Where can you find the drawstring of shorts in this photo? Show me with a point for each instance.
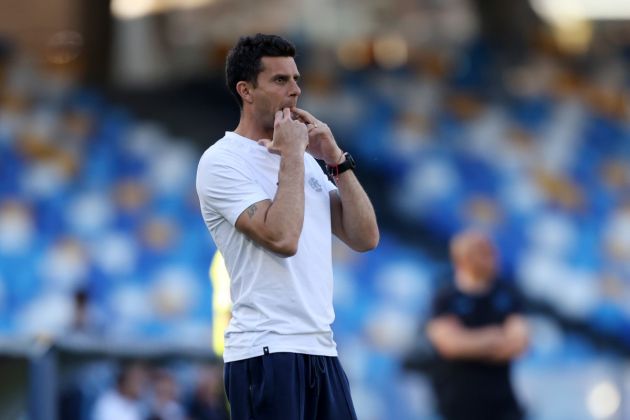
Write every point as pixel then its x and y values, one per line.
pixel 316 366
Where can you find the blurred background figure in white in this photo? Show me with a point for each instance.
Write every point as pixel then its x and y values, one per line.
pixel 165 399
pixel 123 401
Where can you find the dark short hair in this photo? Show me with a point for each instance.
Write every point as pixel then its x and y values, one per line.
pixel 244 59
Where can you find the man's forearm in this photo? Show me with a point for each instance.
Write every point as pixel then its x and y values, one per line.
pixel 452 340
pixel 357 217
pixel 515 339
pixel 285 216
pixel 471 344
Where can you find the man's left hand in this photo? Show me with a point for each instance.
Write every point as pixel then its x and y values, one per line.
pixel 321 142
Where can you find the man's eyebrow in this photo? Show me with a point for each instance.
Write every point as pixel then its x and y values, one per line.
pixel 285 76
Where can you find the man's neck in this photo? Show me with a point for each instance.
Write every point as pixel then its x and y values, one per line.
pixel 251 129
pixel 469 284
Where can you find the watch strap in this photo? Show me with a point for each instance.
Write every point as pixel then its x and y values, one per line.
pixel 349 163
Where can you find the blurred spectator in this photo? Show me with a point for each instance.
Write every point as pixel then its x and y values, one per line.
pixel 87 320
pixel 86 323
pixel 123 402
pixel 477 329
pixel 165 404
pixel 208 402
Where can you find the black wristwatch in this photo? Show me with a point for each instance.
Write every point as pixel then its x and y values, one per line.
pixel 349 163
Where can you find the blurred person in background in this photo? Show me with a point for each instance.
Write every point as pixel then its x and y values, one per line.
pixel 477 329
pixel 124 400
pixel 207 401
pixel 87 321
pixel 165 404
pixel 271 211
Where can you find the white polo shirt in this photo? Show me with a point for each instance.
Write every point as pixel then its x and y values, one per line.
pixel 284 304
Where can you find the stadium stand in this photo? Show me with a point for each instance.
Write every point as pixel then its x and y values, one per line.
pixel 94 199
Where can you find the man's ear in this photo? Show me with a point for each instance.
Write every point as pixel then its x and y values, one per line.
pixel 245 90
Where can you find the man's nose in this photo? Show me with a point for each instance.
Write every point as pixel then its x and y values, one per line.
pixel 295 89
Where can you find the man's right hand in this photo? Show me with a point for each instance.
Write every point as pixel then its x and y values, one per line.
pixel 290 137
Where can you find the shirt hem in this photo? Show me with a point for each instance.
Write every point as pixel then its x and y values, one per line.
pixel 259 351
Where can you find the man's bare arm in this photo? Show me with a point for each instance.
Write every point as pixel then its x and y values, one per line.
pixel 452 340
pixel 515 339
pixel 498 343
pixel 353 217
pixel 277 224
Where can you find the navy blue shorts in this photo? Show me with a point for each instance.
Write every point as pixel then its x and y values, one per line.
pixel 288 386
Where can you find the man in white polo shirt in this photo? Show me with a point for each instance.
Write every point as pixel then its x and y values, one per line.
pixel 272 211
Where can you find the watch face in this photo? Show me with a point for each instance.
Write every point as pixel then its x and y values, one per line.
pixel 350 161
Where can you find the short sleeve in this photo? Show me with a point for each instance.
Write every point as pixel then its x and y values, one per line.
pixel 228 190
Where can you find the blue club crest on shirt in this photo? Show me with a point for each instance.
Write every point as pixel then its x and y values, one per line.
pixel 315 184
